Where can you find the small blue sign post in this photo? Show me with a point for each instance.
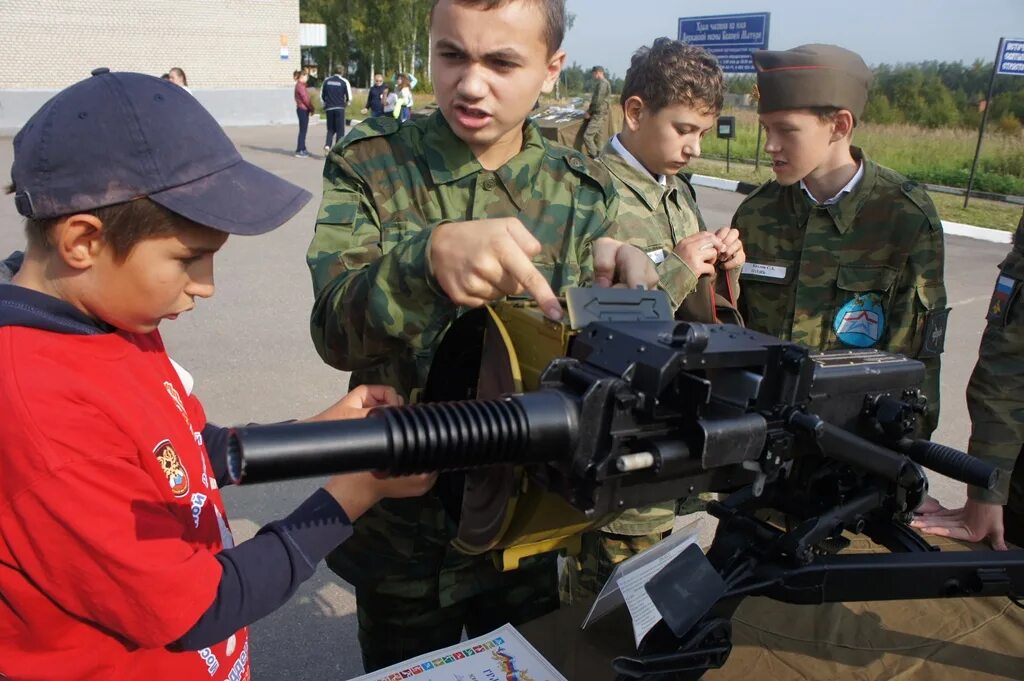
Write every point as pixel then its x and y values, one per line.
pixel 1009 62
pixel 731 38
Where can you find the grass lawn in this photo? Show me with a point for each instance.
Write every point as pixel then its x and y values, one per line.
pixel 993 214
pixel 940 156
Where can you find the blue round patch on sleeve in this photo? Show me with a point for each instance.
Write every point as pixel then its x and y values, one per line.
pixel 860 322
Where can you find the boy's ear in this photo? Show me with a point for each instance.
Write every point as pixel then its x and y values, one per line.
pixel 632 109
pixel 842 125
pixel 78 240
pixel 555 64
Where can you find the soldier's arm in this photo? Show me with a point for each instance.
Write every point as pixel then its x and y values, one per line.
pixel 741 302
pixel 375 295
pixel 918 313
pixel 995 400
pixel 675 277
pixel 595 99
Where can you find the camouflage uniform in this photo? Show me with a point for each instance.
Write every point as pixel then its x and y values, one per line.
pixel 653 217
pixel 380 313
pixel 995 394
pixel 598 117
pixel 879 248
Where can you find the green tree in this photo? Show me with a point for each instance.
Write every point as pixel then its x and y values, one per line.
pixel 1008 124
pixel 940 106
pixel 879 109
pixel 573 80
pixel 740 84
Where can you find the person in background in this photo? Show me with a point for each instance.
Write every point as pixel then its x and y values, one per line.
pixel 597 113
pixel 375 97
pixel 177 76
pixel 335 93
pixel 390 102
pixel 404 98
pixel 303 107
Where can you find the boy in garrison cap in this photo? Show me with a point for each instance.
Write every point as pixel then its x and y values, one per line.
pixel 841 252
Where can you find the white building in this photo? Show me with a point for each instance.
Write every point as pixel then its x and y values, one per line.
pixel 239 55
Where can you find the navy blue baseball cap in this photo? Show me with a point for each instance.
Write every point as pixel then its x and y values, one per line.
pixel 115 137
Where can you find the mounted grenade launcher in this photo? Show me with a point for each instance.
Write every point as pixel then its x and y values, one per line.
pixel 553 429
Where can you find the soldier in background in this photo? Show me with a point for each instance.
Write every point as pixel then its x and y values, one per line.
pixel 597 113
pixel 841 252
pixel 995 400
pixel 419 222
pixel 672 94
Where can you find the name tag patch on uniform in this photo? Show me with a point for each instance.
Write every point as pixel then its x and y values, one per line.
pixel 861 321
pixel 1006 291
pixel 657 256
pixel 770 271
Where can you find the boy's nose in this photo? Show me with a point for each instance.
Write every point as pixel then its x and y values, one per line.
pixel 200 289
pixel 472 85
pixel 693 148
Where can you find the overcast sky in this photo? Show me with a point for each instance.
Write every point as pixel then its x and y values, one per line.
pixel 883 31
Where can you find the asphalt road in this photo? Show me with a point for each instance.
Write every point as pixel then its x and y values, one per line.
pixel 249 350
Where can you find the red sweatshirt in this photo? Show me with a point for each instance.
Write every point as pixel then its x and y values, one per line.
pixel 302 97
pixel 107 502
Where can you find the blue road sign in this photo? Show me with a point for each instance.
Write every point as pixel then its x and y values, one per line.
pixel 1011 58
pixel 730 37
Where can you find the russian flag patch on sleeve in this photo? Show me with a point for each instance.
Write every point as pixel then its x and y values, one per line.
pixel 1003 297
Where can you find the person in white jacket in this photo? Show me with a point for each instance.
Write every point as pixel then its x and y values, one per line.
pixel 404 98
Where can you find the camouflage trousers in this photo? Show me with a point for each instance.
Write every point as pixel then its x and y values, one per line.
pixel 415 592
pixel 600 552
pixel 995 400
pixel 634 532
pixel 593 134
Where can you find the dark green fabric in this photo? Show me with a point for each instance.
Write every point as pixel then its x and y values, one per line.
pixel 811 76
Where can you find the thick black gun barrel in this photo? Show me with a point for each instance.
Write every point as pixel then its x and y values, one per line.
pixel 529 428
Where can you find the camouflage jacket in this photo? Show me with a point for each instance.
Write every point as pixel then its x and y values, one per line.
pixel 654 218
pixel 1013 264
pixel 995 393
pixel 599 100
pixel 866 271
pixel 378 309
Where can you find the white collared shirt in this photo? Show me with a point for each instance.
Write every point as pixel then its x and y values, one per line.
pixel 632 160
pixel 850 186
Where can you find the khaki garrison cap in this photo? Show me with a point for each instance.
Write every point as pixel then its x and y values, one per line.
pixel 811 76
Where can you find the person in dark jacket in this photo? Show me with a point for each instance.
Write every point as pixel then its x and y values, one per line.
pixel 375 98
pixel 335 93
